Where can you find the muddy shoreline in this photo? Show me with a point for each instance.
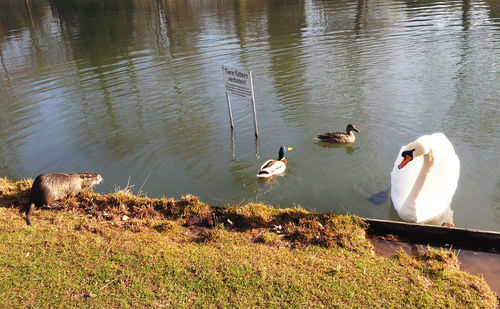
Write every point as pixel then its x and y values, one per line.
pixel 485 264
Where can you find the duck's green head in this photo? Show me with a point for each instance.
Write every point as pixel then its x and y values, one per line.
pixel 283 149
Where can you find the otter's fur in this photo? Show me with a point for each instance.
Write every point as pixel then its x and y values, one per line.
pixel 50 187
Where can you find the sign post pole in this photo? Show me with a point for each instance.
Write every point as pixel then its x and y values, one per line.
pixel 228 104
pixel 253 105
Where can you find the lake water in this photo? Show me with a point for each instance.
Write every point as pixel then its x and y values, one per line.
pixel 133 90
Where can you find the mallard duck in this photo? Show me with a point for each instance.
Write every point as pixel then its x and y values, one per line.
pixel 339 137
pixel 274 167
pixel 424 182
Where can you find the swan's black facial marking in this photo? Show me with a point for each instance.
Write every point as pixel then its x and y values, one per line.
pixel 408 152
pixel 407 157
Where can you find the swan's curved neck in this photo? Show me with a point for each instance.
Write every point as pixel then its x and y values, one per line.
pixel 422 176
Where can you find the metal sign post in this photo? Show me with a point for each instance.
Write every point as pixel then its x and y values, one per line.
pixel 253 105
pixel 239 83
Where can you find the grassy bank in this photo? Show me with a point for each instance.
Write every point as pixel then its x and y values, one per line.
pixel 121 250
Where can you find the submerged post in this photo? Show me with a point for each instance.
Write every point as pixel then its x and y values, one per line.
pixel 239 83
pixel 230 112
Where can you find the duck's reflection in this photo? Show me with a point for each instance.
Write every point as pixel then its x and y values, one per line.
pixel 349 148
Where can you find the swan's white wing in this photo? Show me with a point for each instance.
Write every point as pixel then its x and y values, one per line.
pixel 442 180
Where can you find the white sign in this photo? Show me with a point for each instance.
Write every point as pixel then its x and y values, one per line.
pixel 238 82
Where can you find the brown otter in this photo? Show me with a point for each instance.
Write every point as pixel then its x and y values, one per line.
pixel 51 187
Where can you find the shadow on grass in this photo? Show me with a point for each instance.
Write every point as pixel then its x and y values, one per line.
pixel 14 194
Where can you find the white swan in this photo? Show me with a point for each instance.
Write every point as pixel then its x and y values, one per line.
pixel 424 181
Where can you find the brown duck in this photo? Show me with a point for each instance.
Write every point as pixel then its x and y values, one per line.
pixel 339 137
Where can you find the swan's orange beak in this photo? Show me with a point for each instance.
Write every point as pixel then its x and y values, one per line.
pixel 407 158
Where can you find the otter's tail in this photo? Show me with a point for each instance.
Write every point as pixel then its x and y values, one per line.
pixel 28 209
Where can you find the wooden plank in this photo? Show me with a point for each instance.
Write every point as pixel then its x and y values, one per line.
pixel 433 235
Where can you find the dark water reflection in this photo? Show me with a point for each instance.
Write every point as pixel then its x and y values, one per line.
pixel 133 89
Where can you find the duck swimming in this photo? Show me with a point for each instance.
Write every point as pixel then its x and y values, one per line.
pixel 339 137
pixel 424 181
pixel 274 167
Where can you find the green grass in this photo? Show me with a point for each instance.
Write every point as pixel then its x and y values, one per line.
pixel 168 253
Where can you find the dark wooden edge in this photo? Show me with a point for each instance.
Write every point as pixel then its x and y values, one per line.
pixel 458 238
